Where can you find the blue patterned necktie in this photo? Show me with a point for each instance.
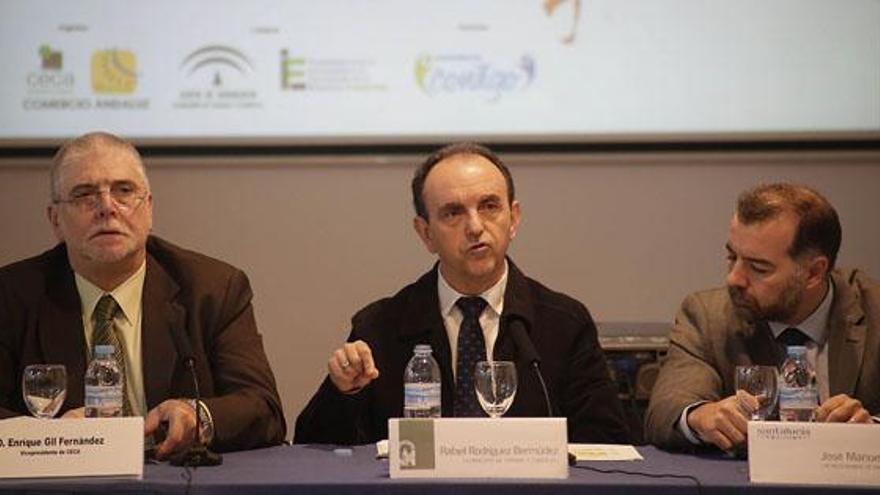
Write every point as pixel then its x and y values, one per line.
pixel 471 349
pixel 105 333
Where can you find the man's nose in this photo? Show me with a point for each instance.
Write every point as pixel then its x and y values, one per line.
pixel 105 204
pixel 474 225
pixel 736 276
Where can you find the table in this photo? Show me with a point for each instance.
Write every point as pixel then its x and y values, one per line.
pixel 304 469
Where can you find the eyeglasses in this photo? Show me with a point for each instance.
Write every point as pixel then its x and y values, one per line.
pixel 126 196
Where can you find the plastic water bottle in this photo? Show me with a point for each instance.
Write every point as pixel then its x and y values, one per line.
pixel 798 395
pixel 421 385
pixel 103 385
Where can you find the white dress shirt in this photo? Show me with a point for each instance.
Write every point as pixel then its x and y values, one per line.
pixel 489 320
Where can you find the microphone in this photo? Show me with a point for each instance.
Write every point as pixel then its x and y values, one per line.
pixel 517 328
pixel 198 454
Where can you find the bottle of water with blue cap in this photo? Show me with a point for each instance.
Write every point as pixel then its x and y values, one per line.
pixel 798 394
pixel 103 385
pixel 421 385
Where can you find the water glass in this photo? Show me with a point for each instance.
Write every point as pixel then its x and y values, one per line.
pixel 495 382
pixel 44 388
pixel 756 390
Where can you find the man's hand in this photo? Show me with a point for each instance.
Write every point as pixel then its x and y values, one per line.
pixel 180 418
pixel 842 409
pixel 721 423
pixel 351 367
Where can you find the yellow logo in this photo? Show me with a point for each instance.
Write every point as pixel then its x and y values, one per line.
pixel 114 71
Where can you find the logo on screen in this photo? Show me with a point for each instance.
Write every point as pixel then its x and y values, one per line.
pixel 114 71
pixel 468 74
pixel 50 59
pixel 217 61
pixel 49 79
pixel 344 74
pixel 216 76
pixel 293 72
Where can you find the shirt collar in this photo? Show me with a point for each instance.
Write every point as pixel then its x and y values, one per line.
pixel 127 294
pixel 816 325
pixel 494 295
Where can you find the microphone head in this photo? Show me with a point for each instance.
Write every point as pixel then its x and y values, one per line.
pixel 518 328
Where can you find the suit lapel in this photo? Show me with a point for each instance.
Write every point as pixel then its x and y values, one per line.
pixel 161 315
pixel 846 338
pixel 61 333
pixel 517 302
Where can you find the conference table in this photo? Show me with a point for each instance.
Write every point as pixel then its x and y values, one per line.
pixel 313 469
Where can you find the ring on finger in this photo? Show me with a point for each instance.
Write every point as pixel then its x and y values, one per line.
pixel 345 364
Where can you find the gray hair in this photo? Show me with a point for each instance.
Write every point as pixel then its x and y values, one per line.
pixel 78 146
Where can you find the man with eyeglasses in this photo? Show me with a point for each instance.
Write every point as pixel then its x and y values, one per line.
pixel 108 281
pixel 782 289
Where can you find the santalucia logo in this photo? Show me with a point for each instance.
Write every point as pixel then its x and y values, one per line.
pixel 783 432
pixel 473 75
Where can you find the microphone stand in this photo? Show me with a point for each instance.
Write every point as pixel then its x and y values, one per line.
pixel 198 454
pixel 516 327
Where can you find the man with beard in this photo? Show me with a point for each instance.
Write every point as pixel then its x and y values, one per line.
pixel 467 215
pixel 782 288
pixel 108 281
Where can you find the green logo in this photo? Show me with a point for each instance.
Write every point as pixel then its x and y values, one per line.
pixel 423 67
pixel 416 445
pixel 50 59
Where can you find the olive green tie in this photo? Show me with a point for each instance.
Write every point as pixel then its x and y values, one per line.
pixel 106 333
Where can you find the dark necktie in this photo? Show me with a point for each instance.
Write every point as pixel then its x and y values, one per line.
pixel 790 337
pixel 471 349
pixel 105 334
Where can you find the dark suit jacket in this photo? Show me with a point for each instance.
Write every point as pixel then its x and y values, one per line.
pixel 41 322
pixel 710 339
pixel 560 327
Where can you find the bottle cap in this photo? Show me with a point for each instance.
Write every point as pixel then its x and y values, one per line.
pixel 422 348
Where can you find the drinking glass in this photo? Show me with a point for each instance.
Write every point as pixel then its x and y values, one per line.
pixel 495 382
pixel 756 390
pixel 44 388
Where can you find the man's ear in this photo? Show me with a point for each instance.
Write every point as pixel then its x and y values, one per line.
pixel 515 215
pixel 817 270
pixel 52 216
pixel 423 229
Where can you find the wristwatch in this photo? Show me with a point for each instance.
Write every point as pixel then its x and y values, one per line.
pixel 206 422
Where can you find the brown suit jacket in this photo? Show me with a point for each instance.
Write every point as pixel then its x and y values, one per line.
pixel 41 322
pixel 709 340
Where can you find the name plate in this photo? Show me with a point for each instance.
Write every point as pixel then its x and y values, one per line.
pixel 814 453
pixel 38 448
pixel 478 448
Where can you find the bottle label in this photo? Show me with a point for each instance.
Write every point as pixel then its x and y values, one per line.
pixel 797 403
pixel 421 400
pixel 103 401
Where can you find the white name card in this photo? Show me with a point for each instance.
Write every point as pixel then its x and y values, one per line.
pixel 814 453
pixel 478 448
pixel 38 448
